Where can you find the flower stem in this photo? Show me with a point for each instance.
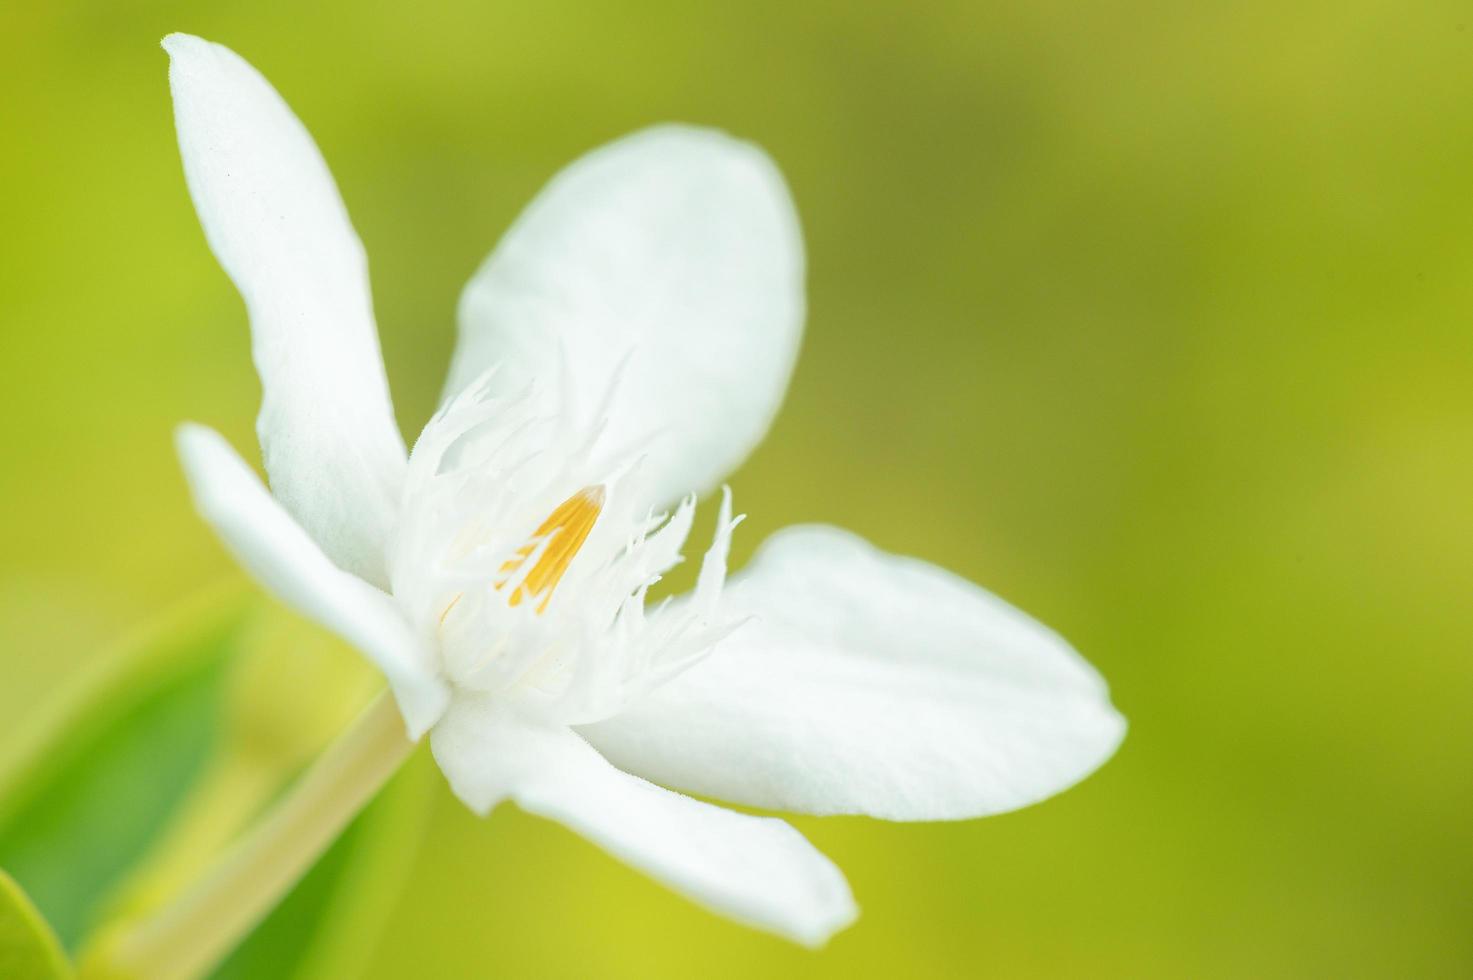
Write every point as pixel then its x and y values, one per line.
pixel 185 939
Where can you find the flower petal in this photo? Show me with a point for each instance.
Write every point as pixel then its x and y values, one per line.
pixel 757 870
pixel 670 260
pixel 276 550
pixel 873 684
pixel 272 215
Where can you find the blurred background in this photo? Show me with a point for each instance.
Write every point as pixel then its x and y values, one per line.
pixel 1154 318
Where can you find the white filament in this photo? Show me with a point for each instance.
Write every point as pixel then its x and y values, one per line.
pixel 484 475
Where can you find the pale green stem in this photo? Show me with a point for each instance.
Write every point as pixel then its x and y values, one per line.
pixel 188 937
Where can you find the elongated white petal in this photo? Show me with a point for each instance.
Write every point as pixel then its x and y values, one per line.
pixel 757 870
pixel 276 550
pixel 868 683
pixel 669 265
pixel 272 215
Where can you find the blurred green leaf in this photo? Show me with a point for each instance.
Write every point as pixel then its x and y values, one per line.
pixel 290 689
pixel 135 778
pixel 28 948
pixel 318 932
pixel 90 788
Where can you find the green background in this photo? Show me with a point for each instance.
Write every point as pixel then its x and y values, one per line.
pixel 1152 317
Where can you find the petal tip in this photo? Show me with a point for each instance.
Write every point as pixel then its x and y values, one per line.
pixel 192 439
pixel 1121 726
pixel 423 707
pixel 831 921
pixel 722 157
pixel 188 430
pixel 698 137
pixel 177 43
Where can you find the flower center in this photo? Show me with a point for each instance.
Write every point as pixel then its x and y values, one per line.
pixel 560 537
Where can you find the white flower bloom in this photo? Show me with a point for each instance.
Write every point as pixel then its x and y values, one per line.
pixel 626 344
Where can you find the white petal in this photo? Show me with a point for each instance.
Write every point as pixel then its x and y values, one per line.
pixel 873 684
pixel 757 870
pixel 276 550
pixel 671 258
pixel 272 215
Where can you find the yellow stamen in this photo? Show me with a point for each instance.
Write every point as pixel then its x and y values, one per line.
pixel 565 530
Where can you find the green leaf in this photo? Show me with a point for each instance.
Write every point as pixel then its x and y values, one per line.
pixel 292 688
pixel 92 783
pixel 28 948
pixel 135 780
pixel 318 932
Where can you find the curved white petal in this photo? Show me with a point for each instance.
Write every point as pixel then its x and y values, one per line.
pixel 671 259
pixel 272 215
pixel 868 683
pixel 276 550
pixel 757 870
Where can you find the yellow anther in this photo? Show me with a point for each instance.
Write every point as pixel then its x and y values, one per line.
pixel 565 530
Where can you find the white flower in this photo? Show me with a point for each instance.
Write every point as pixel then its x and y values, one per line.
pixel 626 344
